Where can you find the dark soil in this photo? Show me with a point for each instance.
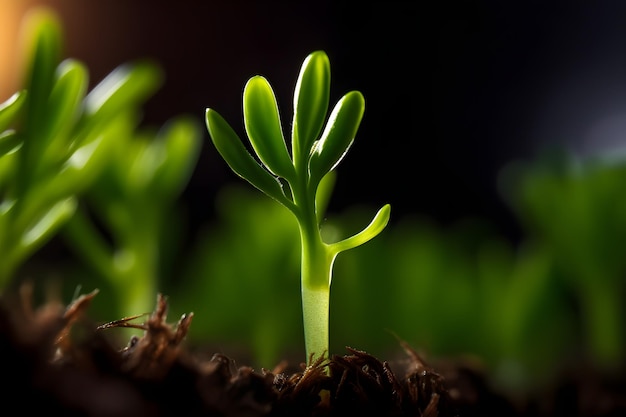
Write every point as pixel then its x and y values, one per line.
pixel 56 362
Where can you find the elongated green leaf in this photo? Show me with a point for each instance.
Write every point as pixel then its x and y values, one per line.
pixel 10 141
pixel 180 142
pixel 141 160
pixel 122 147
pixel 66 98
pixel 376 226
pixel 127 85
pixel 44 43
pixel 10 109
pixel 239 159
pixel 311 100
pixel 262 122
pixel 338 135
pixel 79 171
pixel 44 227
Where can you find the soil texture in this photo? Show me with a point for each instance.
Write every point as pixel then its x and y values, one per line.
pixel 57 362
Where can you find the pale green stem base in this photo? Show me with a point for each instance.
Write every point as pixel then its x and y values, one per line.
pixel 315 310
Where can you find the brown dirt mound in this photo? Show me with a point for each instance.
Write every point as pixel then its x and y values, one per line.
pixel 56 361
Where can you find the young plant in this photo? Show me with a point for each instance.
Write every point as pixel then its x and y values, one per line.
pixel 294 180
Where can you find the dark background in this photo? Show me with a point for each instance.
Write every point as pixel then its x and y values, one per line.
pixel 454 90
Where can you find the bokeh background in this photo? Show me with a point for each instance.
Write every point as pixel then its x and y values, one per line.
pixel 456 92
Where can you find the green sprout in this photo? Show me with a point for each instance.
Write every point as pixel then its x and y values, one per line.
pixel 294 180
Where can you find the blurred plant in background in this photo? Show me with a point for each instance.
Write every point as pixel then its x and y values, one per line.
pixel 133 200
pixel 78 164
pixel 47 156
pixel 575 211
pixel 242 285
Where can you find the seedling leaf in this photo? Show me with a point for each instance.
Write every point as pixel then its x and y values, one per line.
pixel 10 109
pixel 126 86
pixel 66 96
pixel 10 141
pixel 47 224
pixel 311 100
pixel 338 135
pixel 263 127
pixel 377 225
pixel 239 159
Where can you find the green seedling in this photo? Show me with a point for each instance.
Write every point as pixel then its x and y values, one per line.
pixel 296 180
